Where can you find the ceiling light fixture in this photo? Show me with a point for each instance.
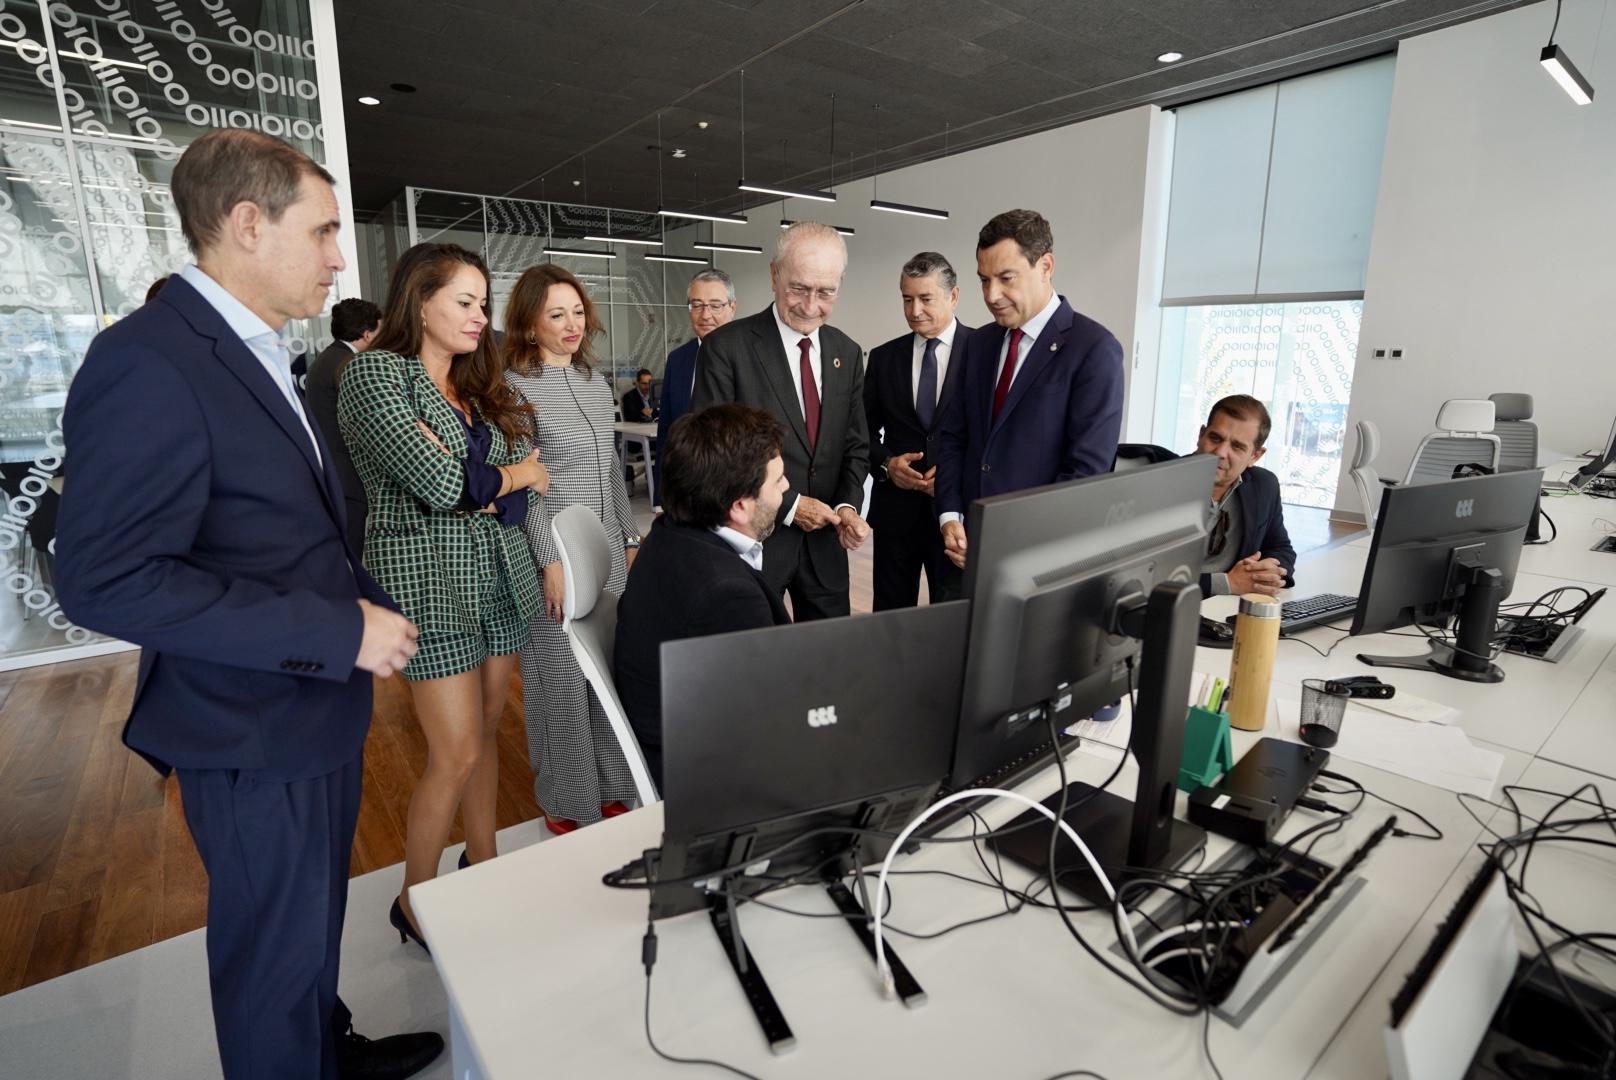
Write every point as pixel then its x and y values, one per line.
pixel 1560 67
pixel 688 260
pixel 624 240
pixel 1169 58
pixel 771 189
pixel 786 223
pixel 744 249
pixel 678 152
pixel 696 215
pixel 702 124
pixel 582 253
pixel 368 100
pixel 875 181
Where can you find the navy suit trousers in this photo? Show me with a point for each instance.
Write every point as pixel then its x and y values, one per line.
pixel 276 854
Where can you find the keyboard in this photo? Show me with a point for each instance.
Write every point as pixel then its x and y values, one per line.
pixel 1295 615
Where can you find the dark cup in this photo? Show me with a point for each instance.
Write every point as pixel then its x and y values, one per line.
pixel 1324 704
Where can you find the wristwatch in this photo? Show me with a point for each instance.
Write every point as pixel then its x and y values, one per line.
pixel 885 475
pixel 631 541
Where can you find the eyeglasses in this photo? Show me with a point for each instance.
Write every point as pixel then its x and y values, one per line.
pixel 715 306
pixel 803 292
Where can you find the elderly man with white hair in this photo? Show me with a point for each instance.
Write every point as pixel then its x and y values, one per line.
pixel 786 360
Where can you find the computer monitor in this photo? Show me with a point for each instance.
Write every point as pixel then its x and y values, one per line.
pixel 1446 550
pixel 771 734
pixel 1601 462
pixel 1069 585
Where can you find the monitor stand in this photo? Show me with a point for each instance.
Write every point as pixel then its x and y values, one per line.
pixel 1478 617
pixel 1142 835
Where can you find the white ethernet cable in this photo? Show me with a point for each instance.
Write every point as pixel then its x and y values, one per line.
pixel 884 970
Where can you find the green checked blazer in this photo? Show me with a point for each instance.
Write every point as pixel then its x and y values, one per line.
pixel 419 546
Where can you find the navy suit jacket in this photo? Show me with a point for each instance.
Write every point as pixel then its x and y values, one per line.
pixel 198 523
pixel 1061 420
pixel 1262 527
pixel 678 379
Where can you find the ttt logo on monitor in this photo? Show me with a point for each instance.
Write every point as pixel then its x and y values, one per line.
pixel 1464 508
pixel 822 717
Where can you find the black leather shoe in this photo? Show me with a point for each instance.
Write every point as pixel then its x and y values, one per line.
pixel 392 1058
pixel 465 860
pixel 406 932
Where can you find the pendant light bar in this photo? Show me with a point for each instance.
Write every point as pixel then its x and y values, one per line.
pixel 744 249
pixel 786 223
pixel 695 215
pixel 581 252
pixel 624 240
pixel 689 260
pixel 905 208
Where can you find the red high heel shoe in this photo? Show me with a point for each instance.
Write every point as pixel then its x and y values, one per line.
pixel 612 809
pixel 559 826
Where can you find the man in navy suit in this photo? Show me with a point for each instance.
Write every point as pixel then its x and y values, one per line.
pixel 1249 550
pixel 700 571
pixel 712 304
pixel 906 389
pixel 202 519
pixel 1040 400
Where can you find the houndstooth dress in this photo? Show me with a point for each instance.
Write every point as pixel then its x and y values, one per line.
pixel 577 763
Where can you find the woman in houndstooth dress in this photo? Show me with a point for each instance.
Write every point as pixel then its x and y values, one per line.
pixel 579 770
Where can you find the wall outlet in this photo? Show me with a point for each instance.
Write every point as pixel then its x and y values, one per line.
pixel 1397 354
pixel 1379 354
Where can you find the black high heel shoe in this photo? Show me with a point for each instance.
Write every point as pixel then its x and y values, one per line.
pixel 406 932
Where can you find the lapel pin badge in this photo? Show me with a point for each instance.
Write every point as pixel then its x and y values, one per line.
pixel 1051 346
pixel 836 362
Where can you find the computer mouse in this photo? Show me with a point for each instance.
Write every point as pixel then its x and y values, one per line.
pixel 1216 635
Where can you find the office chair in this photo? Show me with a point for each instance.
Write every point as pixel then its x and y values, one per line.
pixel 591 625
pixel 1137 455
pixel 1464 436
pixel 1516 432
pixel 1364 476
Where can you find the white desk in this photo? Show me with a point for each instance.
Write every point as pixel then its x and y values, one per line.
pixel 643 434
pixel 1014 997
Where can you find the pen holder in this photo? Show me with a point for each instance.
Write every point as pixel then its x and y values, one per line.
pixel 1208 751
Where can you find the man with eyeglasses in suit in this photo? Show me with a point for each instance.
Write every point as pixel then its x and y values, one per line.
pixel 711 300
pixel 1249 550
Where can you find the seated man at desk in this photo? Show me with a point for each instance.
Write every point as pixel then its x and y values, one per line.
pixel 700 570
pixel 1249 550
pixel 637 407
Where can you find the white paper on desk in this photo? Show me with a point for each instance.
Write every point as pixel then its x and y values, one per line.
pixel 1436 754
pixel 1410 707
pixel 1114 734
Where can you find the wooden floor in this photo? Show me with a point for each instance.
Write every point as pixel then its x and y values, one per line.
pixel 95 858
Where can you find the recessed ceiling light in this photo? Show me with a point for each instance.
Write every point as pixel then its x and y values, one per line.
pixel 702 124
pixel 403 87
pixel 368 100
pixel 679 153
pixel 576 183
pixel 1169 58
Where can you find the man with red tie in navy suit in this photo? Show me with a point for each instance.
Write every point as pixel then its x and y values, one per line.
pixel 788 362
pixel 907 385
pixel 202 519
pixel 1040 400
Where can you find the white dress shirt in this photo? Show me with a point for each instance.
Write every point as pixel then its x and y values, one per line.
pixel 789 338
pixel 945 348
pixel 1029 337
pixel 267 346
pixel 749 549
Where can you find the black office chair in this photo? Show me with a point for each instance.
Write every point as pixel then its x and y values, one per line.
pixel 1137 455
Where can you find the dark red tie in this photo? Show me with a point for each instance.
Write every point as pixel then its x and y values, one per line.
pixel 1002 391
pixel 810 393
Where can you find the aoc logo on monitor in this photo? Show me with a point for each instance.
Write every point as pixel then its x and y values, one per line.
pixel 823 717
pixel 1465 508
pixel 1118 513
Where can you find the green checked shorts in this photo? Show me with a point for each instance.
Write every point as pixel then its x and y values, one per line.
pixel 484 585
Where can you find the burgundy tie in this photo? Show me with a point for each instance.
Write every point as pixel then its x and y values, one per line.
pixel 1002 391
pixel 810 393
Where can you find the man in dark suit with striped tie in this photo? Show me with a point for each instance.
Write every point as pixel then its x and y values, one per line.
pixel 787 361
pixel 1040 399
pixel 906 388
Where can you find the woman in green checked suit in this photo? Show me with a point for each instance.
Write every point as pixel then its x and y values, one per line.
pixel 444 448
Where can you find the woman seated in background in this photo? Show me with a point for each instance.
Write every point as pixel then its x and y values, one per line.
pixel 580 773
pixel 443 446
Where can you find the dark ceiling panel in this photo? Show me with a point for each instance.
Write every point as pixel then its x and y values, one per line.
pixel 524 98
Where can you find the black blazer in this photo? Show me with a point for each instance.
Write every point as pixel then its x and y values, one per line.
pixel 1263 524
pixel 214 539
pixel 685 583
pixel 632 405
pixel 745 361
pixel 320 392
pixel 889 400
